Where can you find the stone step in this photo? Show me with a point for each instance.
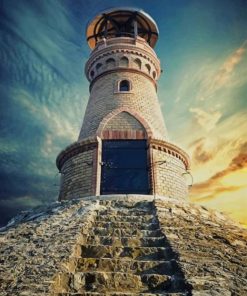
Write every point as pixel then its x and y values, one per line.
pixel 124 294
pixel 129 218
pixel 124 241
pixel 123 265
pixel 140 253
pixel 101 231
pixel 127 205
pixel 133 225
pixel 125 212
pixel 116 281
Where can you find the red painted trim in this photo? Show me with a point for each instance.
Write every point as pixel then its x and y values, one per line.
pixel 98 172
pixel 94 171
pixel 123 135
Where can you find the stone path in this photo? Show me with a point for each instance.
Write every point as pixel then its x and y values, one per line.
pixel 114 245
pixel 123 253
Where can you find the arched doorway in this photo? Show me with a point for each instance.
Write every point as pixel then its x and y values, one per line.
pixel 124 167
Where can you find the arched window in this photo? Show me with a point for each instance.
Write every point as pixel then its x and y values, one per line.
pixel 137 64
pixel 124 62
pixel 98 66
pixel 92 74
pixel 148 68
pixel 124 85
pixel 110 63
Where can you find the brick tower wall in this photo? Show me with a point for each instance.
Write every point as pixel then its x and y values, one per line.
pixel 107 66
pixel 123 121
pixel 114 114
pixel 142 99
pixel 168 175
pixel 77 175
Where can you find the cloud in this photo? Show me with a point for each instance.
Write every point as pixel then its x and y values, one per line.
pixel 22 201
pixel 210 188
pixel 206 120
pixel 212 192
pixel 212 80
pixel 12 206
pixel 239 162
pixel 223 75
pixel 41 102
pixel 216 79
pixel 34 25
pixel 202 151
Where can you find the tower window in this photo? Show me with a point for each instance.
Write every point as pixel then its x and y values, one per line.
pixel 138 64
pixel 124 85
pixel 148 68
pixel 98 66
pixel 92 74
pixel 124 62
pixel 110 63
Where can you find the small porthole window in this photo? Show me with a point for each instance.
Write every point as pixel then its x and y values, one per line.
pixel 124 85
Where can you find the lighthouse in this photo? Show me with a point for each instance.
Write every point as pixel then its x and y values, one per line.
pixel 123 146
pixel 124 226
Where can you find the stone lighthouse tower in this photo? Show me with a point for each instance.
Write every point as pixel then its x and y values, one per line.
pixel 122 239
pixel 123 146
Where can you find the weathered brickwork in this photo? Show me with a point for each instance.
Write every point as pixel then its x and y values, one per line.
pixel 81 169
pixel 168 174
pixel 113 113
pixel 123 126
pixel 142 99
pixel 124 121
pixel 77 176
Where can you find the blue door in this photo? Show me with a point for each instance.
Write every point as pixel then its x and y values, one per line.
pixel 124 167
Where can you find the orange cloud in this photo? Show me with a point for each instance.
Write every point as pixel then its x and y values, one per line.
pixel 211 193
pixel 213 186
pixel 201 152
pixel 239 162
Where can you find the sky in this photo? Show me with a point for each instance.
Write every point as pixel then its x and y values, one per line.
pixel 202 91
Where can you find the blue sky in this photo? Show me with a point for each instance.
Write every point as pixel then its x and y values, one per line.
pixel 202 91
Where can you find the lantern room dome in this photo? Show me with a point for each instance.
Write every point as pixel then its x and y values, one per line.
pixel 122 22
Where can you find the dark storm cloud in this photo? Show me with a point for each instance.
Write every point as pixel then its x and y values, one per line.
pixel 45 27
pixel 41 92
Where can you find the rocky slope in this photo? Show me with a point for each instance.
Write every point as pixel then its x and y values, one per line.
pixel 123 245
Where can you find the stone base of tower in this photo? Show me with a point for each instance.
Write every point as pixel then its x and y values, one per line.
pixel 123 245
pixel 80 166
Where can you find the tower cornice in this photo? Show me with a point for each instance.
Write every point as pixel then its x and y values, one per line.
pixel 171 149
pixel 119 47
pixel 127 70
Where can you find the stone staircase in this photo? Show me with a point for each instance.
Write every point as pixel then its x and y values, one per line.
pixel 122 253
